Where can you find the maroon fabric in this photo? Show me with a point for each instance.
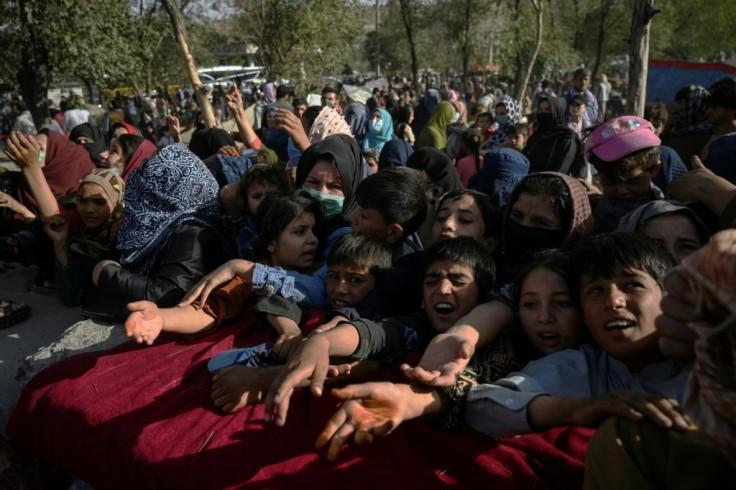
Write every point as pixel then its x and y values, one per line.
pixel 145 150
pixel 141 417
pixel 66 164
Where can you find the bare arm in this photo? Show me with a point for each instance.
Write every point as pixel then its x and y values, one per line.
pixel 234 101
pixel 147 321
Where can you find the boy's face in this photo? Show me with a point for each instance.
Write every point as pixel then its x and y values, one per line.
pixel 516 142
pixel 631 186
pixel 620 314
pixel 256 193
pixel 449 293
pixel 484 123
pixel 347 286
pixel 370 221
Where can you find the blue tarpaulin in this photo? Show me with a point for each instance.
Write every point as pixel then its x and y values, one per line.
pixel 666 78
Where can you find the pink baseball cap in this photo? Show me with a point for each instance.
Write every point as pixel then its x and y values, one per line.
pixel 620 136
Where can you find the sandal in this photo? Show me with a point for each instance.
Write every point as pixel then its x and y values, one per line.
pixel 12 313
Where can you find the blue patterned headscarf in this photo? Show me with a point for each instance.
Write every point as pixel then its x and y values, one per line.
pixel 174 187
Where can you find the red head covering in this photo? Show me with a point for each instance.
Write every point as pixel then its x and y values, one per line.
pixel 145 150
pixel 66 164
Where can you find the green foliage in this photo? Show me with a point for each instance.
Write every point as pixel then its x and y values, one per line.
pixel 297 39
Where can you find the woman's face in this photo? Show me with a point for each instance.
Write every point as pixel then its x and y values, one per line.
pixel 460 217
pixel 113 158
pixel 296 247
pixel 325 178
pixel 550 319
pixel 376 116
pixel 94 205
pixel 271 119
pixel 119 131
pixel 544 107
pixel 535 211
pixel 676 232
pixel 372 164
pixel 500 110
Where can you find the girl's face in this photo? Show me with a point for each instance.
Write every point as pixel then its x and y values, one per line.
pixel 550 319
pixel 296 247
pixel 93 204
pixel 256 193
pixel 544 107
pixel 372 164
pixel 676 232
pixel 460 217
pixel 535 211
pixel 325 178
pixel 113 158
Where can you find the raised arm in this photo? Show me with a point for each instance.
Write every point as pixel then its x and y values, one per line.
pixel 28 152
pixel 234 101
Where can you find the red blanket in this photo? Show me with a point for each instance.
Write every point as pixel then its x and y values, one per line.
pixel 141 417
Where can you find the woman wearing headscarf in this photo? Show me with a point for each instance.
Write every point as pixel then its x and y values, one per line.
pixel 425 109
pixel 671 223
pixel 502 169
pixel 546 210
pixel 395 153
pixel 554 147
pixel 508 112
pixel 90 137
pixel 205 142
pixel 434 133
pixel 380 130
pixel 356 118
pixel 689 129
pixel 269 97
pixel 167 240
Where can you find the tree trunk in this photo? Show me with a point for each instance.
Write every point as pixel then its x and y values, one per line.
pixel 406 10
pixel 34 75
pixel 605 10
pixel 200 90
pixel 466 43
pixel 539 7
pixel 639 56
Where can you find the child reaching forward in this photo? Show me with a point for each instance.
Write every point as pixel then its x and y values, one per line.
pixel 355 263
pixel 289 228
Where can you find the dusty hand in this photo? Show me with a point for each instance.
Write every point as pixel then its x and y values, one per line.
pixel 173 123
pixel 633 405
pixel 234 100
pixel 443 361
pixel 145 322
pixel 24 150
pixel 286 345
pixel 6 201
pixel 223 274
pixel 371 410
pixel 57 228
pixel 310 361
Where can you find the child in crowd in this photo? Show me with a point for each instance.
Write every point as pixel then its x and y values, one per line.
pixel 457 272
pixel 625 152
pixel 289 230
pixel 240 201
pixel 355 264
pixel 389 205
pixel 620 290
pixel 468 213
pixel 484 122
pixel 550 320
pixel 470 164
pixel 518 134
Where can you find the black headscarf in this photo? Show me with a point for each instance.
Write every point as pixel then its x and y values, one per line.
pixel 438 167
pixel 394 153
pixel 205 142
pixel 553 146
pixel 346 153
pixel 95 134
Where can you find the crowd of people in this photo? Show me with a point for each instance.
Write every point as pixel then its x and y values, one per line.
pixel 450 254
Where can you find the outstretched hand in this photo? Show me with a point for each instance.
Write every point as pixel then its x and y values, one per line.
pixel 443 361
pixel 633 405
pixel 371 410
pixel 310 362
pixel 223 274
pixel 145 322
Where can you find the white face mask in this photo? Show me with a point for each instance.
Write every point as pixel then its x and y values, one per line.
pixel 455 118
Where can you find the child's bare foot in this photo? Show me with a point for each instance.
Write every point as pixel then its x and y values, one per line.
pixel 237 386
